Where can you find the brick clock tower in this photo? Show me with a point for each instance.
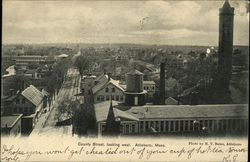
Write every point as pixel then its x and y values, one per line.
pixel 221 92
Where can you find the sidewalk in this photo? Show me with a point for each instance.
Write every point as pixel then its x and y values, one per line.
pixel 42 119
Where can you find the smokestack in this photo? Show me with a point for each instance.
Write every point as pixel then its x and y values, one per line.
pixel 162 84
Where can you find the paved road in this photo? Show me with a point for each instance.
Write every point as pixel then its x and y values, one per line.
pixel 69 88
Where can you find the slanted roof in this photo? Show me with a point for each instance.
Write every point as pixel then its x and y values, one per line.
pixel 101 77
pixel 9 121
pixel 32 94
pixel 149 82
pixel 103 84
pixel 102 109
pixel 10 98
pixel 134 72
pixel 171 101
pixel 226 8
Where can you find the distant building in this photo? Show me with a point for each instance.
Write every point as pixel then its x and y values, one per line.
pixel 22 62
pixel 11 125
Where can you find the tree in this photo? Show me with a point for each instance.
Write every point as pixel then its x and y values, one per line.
pixel 82 63
pixel 67 107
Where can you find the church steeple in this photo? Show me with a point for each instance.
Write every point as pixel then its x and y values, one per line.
pixel 112 126
pixel 226 8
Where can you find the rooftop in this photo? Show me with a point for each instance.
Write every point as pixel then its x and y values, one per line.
pixel 134 72
pixel 32 94
pixel 148 82
pixel 172 111
pixel 103 83
pixel 9 121
pixel 102 108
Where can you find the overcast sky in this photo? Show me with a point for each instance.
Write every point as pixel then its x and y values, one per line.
pixel 142 22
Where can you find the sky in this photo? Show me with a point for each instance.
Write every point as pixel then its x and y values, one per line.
pixel 139 22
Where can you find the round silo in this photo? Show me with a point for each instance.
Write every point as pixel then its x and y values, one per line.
pixel 134 81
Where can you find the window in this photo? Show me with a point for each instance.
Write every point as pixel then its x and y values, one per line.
pixel 153 88
pixel 157 126
pixel 23 101
pixel 107 89
pixel 126 128
pixel 112 97
pixel 177 125
pixel 20 110
pixel 117 98
pixel 107 97
pixel 146 124
pixel 98 98
pixel 103 127
pixel 162 126
pixel 133 128
pixel 113 89
pixel 186 125
pixel 166 126
pixel 121 128
pixel 17 101
pixel 102 98
pixel 191 125
pixel 181 125
pixel 121 98
pixel 171 125
pixel 141 126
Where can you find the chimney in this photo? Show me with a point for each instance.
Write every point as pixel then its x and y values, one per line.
pixel 162 84
pixel 109 76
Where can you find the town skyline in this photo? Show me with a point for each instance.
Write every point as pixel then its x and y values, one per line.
pixel 136 22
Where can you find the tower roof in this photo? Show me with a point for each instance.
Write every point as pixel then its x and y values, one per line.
pixel 226 8
pixel 134 72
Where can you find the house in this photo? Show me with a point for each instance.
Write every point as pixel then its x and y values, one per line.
pixel 11 125
pixel 107 88
pixel 29 102
pixel 149 86
pixel 87 82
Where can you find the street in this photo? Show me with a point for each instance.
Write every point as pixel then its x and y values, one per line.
pixel 46 125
